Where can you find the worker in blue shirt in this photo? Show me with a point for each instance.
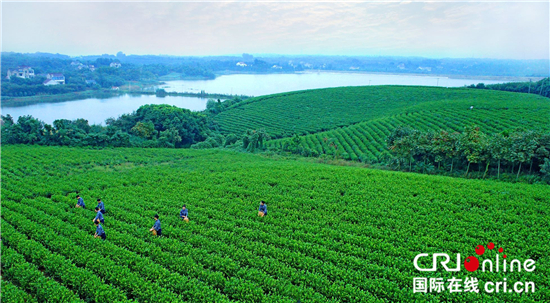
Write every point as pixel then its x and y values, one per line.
pixel 101 205
pixel 262 211
pixel 99 232
pixel 80 202
pixel 98 216
pixel 157 231
pixel 184 213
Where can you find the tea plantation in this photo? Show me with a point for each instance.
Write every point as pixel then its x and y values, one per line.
pixel 332 233
pixel 384 107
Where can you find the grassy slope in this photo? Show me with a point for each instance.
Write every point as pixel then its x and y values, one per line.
pixel 377 110
pixel 367 139
pixel 357 230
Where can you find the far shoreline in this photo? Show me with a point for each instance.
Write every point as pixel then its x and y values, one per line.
pixel 106 93
pixel 473 77
pixel 312 71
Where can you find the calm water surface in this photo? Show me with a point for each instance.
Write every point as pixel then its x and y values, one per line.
pixel 97 110
pixel 257 85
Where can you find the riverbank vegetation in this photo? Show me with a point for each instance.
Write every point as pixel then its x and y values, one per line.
pixel 149 126
pixel 82 75
pixel 78 95
pixel 541 87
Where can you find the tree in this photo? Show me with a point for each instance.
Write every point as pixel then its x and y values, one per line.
pixel 439 147
pixel 191 126
pixel 545 168
pixel 28 130
pixel 144 130
pixel 472 143
pixel 230 139
pixel 499 147
pixel 214 107
pixel 170 136
pixel 543 150
pixel 253 139
pixel 161 92
pixel 523 147
pixel 401 144
pixel 121 139
pixel 8 128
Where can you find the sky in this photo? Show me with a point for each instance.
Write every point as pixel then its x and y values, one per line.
pixel 437 29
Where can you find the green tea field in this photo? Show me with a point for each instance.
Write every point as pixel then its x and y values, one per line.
pixel 332 233
pixel 313 111
pixel 360 119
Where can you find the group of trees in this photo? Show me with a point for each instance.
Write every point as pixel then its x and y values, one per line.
pixel 472 150
pixel 75 79
pixel 214 107
pixel 189 70
pixel 250 141
pixel 296 146
pixel 541 87
pixel 19 87
pixel 150 126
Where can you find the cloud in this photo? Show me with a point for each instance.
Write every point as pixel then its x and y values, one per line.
pixel 441 29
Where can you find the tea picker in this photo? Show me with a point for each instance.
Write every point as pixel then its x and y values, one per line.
pixel 99 232
pixel 262 211
pixel 98 216
pixel 184 214
pixel 80 202
pixel 101 205
pixel 156 230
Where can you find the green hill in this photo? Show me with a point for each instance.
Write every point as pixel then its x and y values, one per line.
pixel 360 118
pixel 332 234
pixel 311 111
pixel 367 140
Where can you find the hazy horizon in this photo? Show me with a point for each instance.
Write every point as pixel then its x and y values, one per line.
pixel 476 30
pixel 267 55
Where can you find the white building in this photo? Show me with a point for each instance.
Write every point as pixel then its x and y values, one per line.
pixel 49 82
pixel 24 72
pixel 115 65
pixel 241 64
pixel 277 67
pixel 81 66
pixel 58 78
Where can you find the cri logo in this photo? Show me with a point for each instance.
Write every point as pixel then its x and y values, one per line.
pixel 472 263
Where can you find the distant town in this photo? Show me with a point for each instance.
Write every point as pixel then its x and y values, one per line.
pixel 27 72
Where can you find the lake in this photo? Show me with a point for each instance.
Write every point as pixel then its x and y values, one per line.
pixel 265 84
pixel 96 111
